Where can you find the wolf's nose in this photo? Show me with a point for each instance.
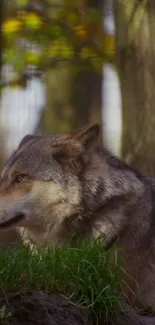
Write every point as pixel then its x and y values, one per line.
pixel 12 221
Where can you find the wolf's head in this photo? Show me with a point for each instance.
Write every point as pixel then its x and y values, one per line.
pixel 41 182
pixel 60 180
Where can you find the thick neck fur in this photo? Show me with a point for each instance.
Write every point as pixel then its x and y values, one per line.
pixel 118 204
pixel 109 190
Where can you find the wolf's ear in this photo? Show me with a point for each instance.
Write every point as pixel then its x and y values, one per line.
pixel 88 136
pixel 26 139
pixel 76 147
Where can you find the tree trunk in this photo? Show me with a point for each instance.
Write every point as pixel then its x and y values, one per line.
pixel 87 88
pixel 135 51
pixel 86 97
pixel 58 115
pixel 73 98
pixel 1 33
pixel 73 94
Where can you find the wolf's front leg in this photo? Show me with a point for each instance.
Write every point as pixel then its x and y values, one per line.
pixel 26 240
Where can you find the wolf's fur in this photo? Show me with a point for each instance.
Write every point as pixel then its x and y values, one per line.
pixel 71 185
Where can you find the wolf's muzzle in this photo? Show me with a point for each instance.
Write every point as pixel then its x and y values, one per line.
pixel 12 221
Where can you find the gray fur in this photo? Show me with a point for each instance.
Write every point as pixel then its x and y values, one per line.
pixel 71 185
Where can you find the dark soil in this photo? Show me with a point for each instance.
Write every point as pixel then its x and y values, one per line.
pixel 39 308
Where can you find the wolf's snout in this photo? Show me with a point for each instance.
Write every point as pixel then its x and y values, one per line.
pixel 12 221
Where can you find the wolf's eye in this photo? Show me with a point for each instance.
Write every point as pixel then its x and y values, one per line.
pixel 19 178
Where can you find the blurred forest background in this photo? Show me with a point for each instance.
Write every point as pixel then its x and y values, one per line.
pixel 66 63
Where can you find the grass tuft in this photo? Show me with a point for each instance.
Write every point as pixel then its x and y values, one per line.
pixel 85 274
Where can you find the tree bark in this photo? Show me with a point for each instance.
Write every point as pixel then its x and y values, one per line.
pixel 73 98
pixel 58 114
pixel 1 33
pixel 73 94
pixel 135 54
pixel 86 97
pixel 87 88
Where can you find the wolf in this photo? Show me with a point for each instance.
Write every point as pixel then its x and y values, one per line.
pixel 62 184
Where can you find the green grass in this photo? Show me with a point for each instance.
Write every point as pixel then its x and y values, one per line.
pixel 85 274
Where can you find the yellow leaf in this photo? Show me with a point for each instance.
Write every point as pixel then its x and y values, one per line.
pixel 21 3
pixel 72 18
pixel 32 57
pixel 57 30
pixel 21 14
pixel 11 26
pixel 33 21
pixel 67 52
pixel 54 49
pixel 109 45
pixel 98 64
pixel 75 3
pixel 87 53
pixel 80 31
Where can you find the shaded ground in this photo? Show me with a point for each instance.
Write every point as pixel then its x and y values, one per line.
pixel 38 308
pixel 42 309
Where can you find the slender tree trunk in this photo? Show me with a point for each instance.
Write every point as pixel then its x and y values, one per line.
pixel 86 97
pixel 1 34
pixel 86 89
pixel 58 115
pixel 7 238
pixel 73 95
pixel 135 35
pixel 73 99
